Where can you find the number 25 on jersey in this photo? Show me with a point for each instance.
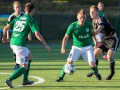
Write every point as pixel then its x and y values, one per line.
pixel 20 25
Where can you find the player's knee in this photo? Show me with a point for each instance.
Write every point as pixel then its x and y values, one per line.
pixel 69 62
pixel 92 64
pixel 109 57
pixel 25 66
pixel 30 56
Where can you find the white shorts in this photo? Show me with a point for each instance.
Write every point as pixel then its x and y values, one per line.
pixel 86 53
pixel 98 37
pixel 21 54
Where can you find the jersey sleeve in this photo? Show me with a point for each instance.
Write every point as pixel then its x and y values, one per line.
pixel 69 30
pixel 10 18
pixel 102 21
pixel 34 26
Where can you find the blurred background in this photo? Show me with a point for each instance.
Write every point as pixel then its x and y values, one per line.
pixel 54 16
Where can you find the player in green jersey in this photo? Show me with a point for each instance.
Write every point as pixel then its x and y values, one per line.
pixel 17 13
pixel 82 34
pixel 21 28
pixel 101 7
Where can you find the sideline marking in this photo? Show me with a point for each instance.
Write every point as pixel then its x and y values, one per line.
pixel 40 80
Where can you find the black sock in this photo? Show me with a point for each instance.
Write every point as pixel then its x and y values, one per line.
pixel 17 64
pixel 96 62
pixel 112 66
pixel 14 56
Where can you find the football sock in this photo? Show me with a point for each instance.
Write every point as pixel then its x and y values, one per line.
pixel 62 72
pixel 17 64
pixel 96 61
pixel 14 56
pixel 95 69
pixel 26 73
pixel 17 73
pixel 112 65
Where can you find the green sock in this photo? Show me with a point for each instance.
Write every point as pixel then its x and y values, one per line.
pixel 95 69
pixel 62 72
pixel 17 73
pixel 26 73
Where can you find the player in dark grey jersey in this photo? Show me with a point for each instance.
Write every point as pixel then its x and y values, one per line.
pixel 109 41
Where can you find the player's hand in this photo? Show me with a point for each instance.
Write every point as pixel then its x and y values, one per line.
pixel 63 50
pixel 48 48
pixel 4 40
pixel 8 40
pixel 94 47
pixel 95 43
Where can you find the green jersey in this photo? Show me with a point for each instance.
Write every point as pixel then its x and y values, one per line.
pixel 101 13
pixel 81 34
pixel 21 28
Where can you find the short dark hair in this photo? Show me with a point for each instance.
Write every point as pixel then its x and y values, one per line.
pixel 95 7
pixel 81 11
pixel 29 7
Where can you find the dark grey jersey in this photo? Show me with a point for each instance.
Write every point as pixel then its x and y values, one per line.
pixel 107 31
pixel 12 16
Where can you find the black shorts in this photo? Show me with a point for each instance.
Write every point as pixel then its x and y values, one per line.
pixel 111 43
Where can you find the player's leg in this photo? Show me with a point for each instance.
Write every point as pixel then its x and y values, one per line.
pixel 17 65
pixel 88 56
pixel 97 52
pixel 26 73
pixel 111 64
pixel 60 79
pixel 21 59
pixel 113 45
pixel 73 56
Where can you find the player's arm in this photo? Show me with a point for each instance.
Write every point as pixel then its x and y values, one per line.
pixel 100 27
pixel 29 36
pixel 92 32
pixel 102 23
pixel 40 38
pixel 9 20
pixel 94 38
pixel 35 29
pixel 64 42
pixel 8 34
pixel 5 32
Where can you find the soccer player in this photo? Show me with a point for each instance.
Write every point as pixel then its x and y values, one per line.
pixel 109 42
pixel 98 36
pixel 17 13
pixel 100 8
pixel 82 34
pixel 21 28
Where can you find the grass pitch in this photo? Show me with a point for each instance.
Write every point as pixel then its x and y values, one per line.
pixel 48 67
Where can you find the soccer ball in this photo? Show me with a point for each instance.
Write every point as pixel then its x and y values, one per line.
pixel 69 69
